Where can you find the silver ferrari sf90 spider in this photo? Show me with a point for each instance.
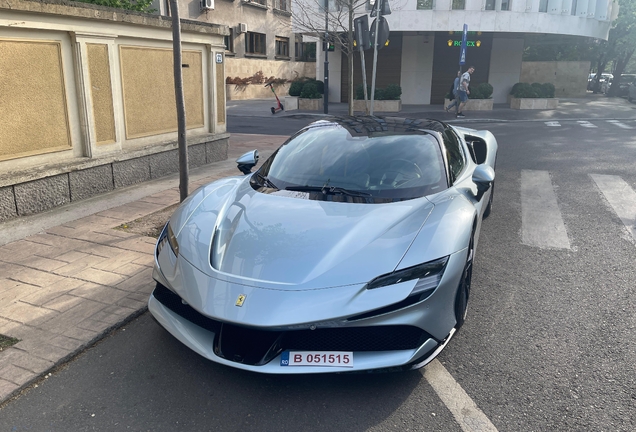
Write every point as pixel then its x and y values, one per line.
pixel 350 249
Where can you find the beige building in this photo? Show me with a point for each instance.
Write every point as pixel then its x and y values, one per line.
pixel 87 101
pixel 260 40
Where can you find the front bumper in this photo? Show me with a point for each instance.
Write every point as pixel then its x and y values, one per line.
pixel 263 354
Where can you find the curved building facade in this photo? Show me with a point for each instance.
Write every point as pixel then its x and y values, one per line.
pixel 424 45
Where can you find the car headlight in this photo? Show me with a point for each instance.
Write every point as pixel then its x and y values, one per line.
pixel 168 236
pixel 428 274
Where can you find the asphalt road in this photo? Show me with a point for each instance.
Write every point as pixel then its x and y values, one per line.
pixel 549 343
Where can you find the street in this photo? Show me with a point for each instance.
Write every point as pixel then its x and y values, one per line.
pixel 549 342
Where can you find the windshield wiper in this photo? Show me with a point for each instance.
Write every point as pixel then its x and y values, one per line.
pixel 267 182
pixel 333 190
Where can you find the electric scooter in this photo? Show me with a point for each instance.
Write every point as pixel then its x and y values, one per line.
pixel 280 106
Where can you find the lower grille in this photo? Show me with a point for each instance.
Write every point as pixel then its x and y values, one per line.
pixel 256 347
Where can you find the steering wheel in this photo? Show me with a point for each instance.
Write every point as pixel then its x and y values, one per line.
pixel 401 171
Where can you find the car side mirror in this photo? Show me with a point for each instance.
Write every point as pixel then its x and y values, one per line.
pixel 247 161
pixel 483 176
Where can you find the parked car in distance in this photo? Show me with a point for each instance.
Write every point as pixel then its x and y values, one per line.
pixel 351 248
pixel 596 86
pixel 631 92
pixel 623 85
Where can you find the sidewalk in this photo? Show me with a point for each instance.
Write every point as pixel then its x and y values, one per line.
pixel 67 277
pixel 589 107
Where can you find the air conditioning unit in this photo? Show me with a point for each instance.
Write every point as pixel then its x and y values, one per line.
pixel 207 4
pixel 241 28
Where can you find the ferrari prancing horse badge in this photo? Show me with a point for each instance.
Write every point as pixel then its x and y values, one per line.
pixel 240 300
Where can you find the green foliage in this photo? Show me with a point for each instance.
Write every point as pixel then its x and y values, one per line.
pixel 524 90
pixel 320 86
pixel 481 91
pixel 391 92
pixel 295 88
pixel 515 88
pixel 548 90
pixel 134 5
pixel 310 91
pixel 537 89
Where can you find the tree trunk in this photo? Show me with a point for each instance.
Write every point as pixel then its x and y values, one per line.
pixel 180 101
pixel 621 64
pixel 350 52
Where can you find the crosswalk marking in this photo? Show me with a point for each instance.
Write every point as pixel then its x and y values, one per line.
pixel 541 222
pixel 621 197
pixel 619 124
pixel 553 124
pixel 463 408
pixel 586 124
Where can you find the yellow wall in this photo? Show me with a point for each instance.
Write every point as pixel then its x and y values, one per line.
pixel 148 87
pixel 33 111
pixel 101 92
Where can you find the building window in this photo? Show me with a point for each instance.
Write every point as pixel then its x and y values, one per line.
pixel 543 5
pixel 305 51
pixel 490 4
pixel 574 7
pixel 459 4
pixel 262 2
pixel 282 46
pixel 229 41
pixel 282 5
pixel 255 43
pixel 425 4
pixel 505 5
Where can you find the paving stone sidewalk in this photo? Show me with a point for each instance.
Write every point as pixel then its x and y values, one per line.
pixel 66 287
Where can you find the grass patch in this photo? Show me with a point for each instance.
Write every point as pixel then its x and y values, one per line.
pixel 6 342
pixel 150 225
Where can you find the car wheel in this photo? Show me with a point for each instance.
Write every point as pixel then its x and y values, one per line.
pixel 489 206
pixel 463 291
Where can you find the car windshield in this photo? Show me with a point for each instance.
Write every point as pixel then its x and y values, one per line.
pixel 380 165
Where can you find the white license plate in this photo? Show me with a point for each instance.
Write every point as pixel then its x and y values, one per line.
pixel 317 358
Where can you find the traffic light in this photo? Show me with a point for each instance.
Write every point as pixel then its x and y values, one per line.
pixel 330 46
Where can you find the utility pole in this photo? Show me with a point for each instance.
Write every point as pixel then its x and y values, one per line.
pixel 378 6
pixel 180 101
pixel 326 66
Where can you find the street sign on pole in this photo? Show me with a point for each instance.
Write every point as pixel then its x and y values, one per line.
pixel 462 54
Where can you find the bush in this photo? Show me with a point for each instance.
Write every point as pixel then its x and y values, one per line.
pixel 534 90
pixel 310 91
pixel 515 88
pixel 525 90
pixel 391 92
pixel 295 88
pixel 482 91
pixel 538 89
pixel 320 86
pixel 548 90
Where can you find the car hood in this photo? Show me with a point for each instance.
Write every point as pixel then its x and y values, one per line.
pixel 283 240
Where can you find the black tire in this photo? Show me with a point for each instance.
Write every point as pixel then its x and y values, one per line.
pixel 463 290
pixel 282 108
pixel 273 110
pixel 489 206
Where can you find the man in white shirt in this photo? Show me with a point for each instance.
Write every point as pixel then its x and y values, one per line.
pixel 463 90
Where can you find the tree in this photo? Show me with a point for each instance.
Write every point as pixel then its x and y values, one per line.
pixel 310 18
pixel 135 5
pixel 620 44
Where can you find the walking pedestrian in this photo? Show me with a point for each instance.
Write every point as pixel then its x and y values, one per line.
pixel 463 90
pixel 454 91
